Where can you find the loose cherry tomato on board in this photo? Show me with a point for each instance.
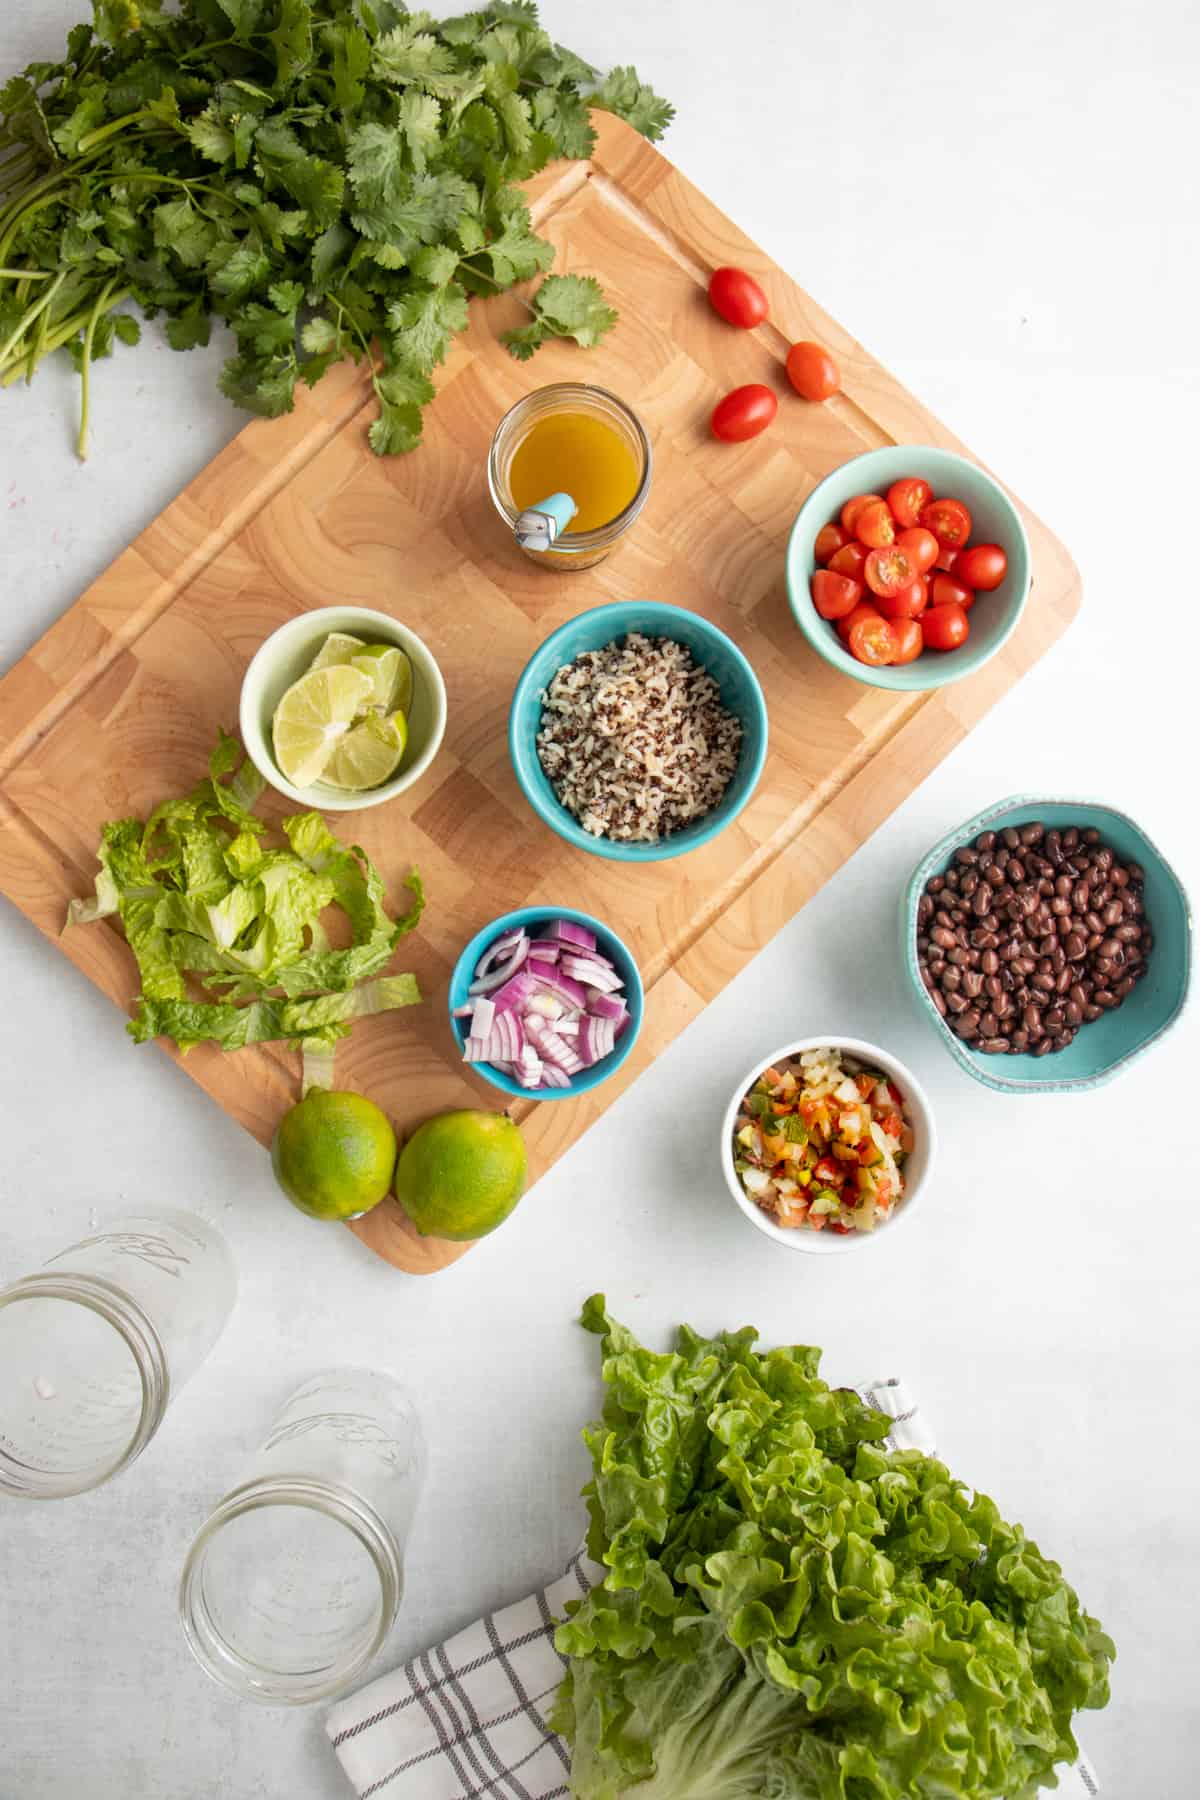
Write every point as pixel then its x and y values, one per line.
pixel 864 610
pixel 946 557
pixel 921 545
pixel 982 566
pixel 830 539
pixel 812 371
pixel 834 596
pixel 744 413
pixel 854 506
pixel 873 641
pixel 945 627
pixel 910 640
pixel 874 526
pixel 949 521
pixel 889 571
pixel 907 498
pixel 850 560
pixel 909 603
pixel 737 297
pixel 948 590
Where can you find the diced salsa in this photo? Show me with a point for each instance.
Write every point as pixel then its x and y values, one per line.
pixel 822 1141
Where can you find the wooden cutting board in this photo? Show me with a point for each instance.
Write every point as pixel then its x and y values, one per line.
pixel 118 706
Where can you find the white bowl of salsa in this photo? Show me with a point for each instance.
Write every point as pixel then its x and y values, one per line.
pixel 854 1154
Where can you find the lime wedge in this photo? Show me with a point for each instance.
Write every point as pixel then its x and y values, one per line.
pixel 391 672
pixel 313 715
pixel 369 754
pixel 339 647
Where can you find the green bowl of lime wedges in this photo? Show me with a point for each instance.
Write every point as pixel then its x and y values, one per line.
pixel 342 708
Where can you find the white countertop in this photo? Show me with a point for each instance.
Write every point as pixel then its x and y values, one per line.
pixel 1000 203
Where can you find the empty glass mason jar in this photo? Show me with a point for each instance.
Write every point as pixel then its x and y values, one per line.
pixel 293 1583
pixel 94 1346
pixel 579 440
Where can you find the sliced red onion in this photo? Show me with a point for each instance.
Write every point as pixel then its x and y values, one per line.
pixel 477 1050
pixel 554 1078
pixel 547 1006
pixel 552 1048
pixel 529 1067
pixel 487 984
pixel 589 971
pixel 605 1006
pixel 566 931
pixel 596 1040
pixel 500 948
pixel 549 953
pixel 464 1012
pixel 482 1017
pixel 567 1027
pixel 518 992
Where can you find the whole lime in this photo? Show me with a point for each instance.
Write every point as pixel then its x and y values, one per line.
pixel 461 1173
pixel 334 1154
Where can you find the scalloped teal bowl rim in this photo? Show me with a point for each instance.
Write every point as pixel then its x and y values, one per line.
pixel 618 952
pixel 935 860
pixel 615 616
pixel 931 670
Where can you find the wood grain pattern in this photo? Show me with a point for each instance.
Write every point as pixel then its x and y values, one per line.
pixel 119 704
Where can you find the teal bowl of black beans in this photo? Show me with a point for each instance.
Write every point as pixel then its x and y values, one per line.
pixel 1049 943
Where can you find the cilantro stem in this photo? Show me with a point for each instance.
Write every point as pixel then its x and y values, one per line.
pixel 30 315
pixel 25 275
pixel 85 372
pixel 62 334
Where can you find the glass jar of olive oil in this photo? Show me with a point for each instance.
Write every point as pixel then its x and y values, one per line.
pixel 582 441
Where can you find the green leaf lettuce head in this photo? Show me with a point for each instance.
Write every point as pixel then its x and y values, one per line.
pixel 793 1613
pixel 329 178
pixel 206 904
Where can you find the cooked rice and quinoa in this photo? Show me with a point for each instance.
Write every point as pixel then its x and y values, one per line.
pixel 635 741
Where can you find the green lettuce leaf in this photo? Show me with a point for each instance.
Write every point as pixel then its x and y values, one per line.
pixel 791 1610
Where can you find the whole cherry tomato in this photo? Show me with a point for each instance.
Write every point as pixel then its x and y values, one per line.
pixel 744 413
pixel 854 506
pixel 835 596
pixel 850 560
pixel 737 297
pixel 945 627
pixel 906 499
pixel 864 610
pixel 948 590
pixel 982 566
pixel 874 526
pixel 889 571
pixel 873 641
pixel 812 371
pixel 949 521
pixel 830 539
pixel 921 545
pixel 910 640
pixel 909 603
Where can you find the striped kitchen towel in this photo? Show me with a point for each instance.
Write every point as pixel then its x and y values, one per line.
pixel 467 1720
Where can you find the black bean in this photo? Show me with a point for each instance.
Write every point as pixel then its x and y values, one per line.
pixel 1043 1047
pixel 972 984
pixel 1053 1020
pixel 1011 838
pixel 939 1003
pixel 1091 1012
pixel 1075 946
pixel 1105 997
pixel 935 884
pixel 1033 833
pixel 1070 838
pixel 981 901
pixel 989 962
pixel 967 1024
pixel 1020 1041
pixel 966 856
pixel 1091 835
pixel 995 1046
pixel 1074 1012
pixel 957 1003
pixel 1032 1021
pixel 986 840
pixel 1127 934
pixel 942 936
pixel 951 979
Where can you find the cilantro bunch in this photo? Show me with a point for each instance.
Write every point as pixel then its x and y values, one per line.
pixel 330 177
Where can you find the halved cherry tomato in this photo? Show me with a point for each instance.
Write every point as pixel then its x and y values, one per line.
pixel 906 499
pixel 888 571
pixel 834 596
pixel 946 557
pixel 812 371
pixel 737 297
pixel 921 545
pixel 910 640
pixel 909 603
pixel 854 506
pixel 830 538
pixel 864 610
pixel 874 526
pixel 949 521
pixel 850 560
pixel 744 413
pixel 945 627
pixel 948 590
pixel 873 641
pixel 982 566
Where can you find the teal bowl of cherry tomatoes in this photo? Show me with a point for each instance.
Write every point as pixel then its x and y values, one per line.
pixel 908 568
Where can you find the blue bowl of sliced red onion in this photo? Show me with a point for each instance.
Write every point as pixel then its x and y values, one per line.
pixel 546 1003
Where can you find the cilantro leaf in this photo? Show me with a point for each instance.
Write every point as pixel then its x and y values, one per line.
pixel 423 323
pixel 570 306
pixel 402 394
pixel 408 54
pixel 622 93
